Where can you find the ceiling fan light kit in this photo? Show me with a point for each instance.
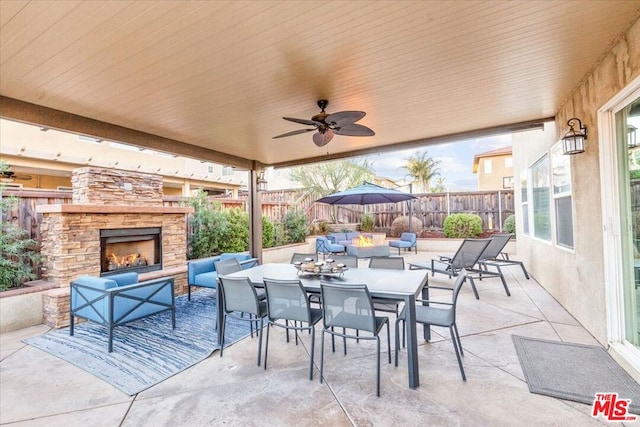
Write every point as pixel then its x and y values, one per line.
pixel 326 125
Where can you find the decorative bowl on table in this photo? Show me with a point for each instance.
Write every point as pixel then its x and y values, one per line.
pixel 320 268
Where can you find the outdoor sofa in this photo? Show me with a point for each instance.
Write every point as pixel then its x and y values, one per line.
pixel 202 272
pixel 117 299
pixel 344 239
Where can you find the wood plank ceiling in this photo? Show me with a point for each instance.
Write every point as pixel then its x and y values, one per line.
pixel 220 75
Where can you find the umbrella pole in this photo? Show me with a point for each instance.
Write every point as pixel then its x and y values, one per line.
pixel 410 206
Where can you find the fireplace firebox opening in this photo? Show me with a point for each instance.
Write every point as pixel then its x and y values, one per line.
pixel 130 249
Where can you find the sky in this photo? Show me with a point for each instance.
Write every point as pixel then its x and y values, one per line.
pixel 456 159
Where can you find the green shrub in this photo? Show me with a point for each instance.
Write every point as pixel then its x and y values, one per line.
pixel 295 227
pixel 367 223
pixel 236 236
pixel 401 225
pixel 268 233
pixel 208 225
pixel 462 225
pixel 323 227
pixel 18 252
pixel 510 224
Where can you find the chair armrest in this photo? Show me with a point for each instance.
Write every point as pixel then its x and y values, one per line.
pixel 198 266
pixel 332 239
pixel 248 263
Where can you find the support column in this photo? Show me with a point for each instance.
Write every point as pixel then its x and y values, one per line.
pixel 255 216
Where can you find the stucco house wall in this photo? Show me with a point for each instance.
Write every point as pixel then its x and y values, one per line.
pixel 576 277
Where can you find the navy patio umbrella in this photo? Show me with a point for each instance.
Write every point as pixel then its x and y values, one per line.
pixel 366 194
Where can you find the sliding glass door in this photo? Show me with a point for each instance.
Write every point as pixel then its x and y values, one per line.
pixel 627 130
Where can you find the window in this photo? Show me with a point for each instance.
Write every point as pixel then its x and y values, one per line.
pixel 210 168
pixel 561 180
pixel 508 162
pixel 487 165
pixel 227 171
pixel 540 198
pixel 525 202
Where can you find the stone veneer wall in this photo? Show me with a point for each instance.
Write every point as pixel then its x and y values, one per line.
pixel 71 241
pixel 100 186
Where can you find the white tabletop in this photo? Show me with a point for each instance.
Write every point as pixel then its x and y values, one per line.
pixel 381 282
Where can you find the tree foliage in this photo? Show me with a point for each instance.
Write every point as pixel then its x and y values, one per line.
pixel 421 169
pixel 330 177
pixel 18 252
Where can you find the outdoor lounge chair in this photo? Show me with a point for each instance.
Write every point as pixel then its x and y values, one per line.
pixel 325 247
pixel 467 257
pixel 406 242
pixel 494 256
pixel 435 316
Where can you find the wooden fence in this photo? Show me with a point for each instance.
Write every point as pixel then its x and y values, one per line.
pixel 431 208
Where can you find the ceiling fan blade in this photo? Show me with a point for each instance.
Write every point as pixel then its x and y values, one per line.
pixel 294 132
pixel 354 129
pixel 301 121
pixel 342 118
pixel 322 138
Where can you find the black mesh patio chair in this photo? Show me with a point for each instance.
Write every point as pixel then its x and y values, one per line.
pixel 435 316
pixel 350 307
pixel 239 297
pixel 494 256
pixel 393 263
pixel 287 300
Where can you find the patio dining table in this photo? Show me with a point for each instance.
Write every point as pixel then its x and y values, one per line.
pixel 401 285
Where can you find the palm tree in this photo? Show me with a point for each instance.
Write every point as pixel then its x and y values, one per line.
pixel 421 169
pixel 439 187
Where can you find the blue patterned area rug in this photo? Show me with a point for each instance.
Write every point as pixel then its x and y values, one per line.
pixel 146 351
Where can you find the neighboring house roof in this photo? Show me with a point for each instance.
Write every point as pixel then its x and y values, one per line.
pixel 502 151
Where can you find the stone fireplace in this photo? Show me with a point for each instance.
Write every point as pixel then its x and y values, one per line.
pixel 115 218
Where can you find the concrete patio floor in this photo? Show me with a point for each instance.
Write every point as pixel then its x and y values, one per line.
pixel 37 389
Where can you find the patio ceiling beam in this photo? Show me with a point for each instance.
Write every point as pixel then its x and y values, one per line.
pixel 38 115
pixel 419 143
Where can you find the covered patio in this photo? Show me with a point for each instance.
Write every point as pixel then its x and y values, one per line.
pixel 233 390
pixel 212 81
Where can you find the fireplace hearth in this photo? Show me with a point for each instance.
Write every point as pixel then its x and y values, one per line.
pixel 130 249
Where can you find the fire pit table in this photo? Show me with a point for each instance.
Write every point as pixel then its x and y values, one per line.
pixel 368 251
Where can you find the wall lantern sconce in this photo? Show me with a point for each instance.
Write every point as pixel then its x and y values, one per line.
pixel 631 136
pixel 261 184
pixel 573 141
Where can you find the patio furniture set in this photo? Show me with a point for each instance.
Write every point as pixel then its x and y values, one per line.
pixel 277 292
pixel 346 243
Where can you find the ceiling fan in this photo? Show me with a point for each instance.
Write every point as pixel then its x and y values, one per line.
pixel 326 125
pixel 9 176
